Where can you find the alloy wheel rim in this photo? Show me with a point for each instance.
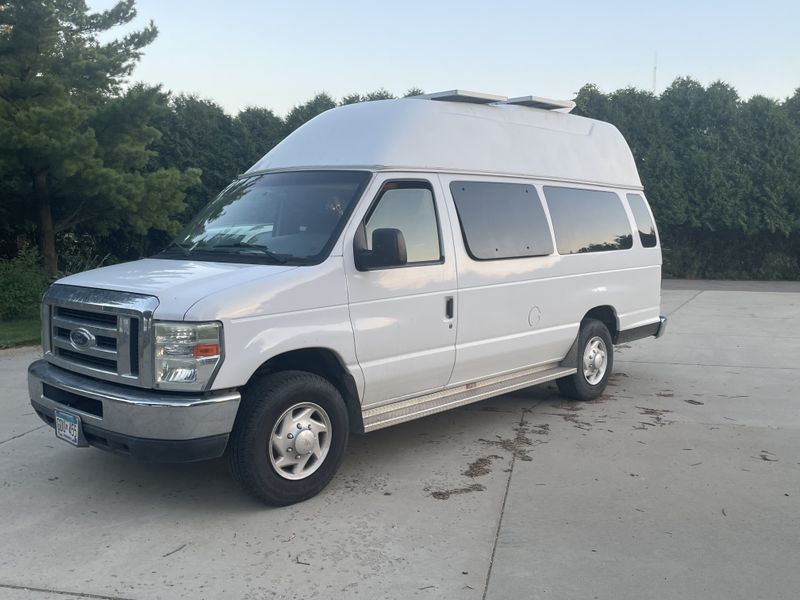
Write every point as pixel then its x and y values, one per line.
pixel 300 440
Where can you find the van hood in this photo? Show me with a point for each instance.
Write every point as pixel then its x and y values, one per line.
pixel 178 284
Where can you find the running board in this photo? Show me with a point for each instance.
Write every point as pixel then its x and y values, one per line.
pixel 422 406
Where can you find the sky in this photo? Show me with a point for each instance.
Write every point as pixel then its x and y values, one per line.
pixel 276 55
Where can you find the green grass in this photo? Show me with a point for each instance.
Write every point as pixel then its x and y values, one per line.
pixel 20 332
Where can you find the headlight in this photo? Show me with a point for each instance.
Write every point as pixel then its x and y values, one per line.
pixel 186 354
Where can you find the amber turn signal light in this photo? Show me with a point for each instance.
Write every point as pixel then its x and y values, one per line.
pixel 205 350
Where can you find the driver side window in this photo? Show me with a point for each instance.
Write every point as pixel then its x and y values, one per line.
pixel 408 206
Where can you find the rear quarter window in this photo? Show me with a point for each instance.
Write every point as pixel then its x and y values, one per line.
pixel 587 220
pixel 501 220
pixel 644 222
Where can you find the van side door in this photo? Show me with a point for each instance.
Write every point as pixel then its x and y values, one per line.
pixel 510 317
pixel 403 315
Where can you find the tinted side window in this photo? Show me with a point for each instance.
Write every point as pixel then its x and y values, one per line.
pixel 587 220
pixel 409 207
pixel 644 222
pixel 501 220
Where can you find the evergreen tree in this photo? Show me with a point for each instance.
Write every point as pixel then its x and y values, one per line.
pixel 379 94
pixel 305 112
pixel 72 136
pixel 260 131
pixel 198 133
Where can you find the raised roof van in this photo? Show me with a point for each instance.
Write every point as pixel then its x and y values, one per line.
pixel 386 261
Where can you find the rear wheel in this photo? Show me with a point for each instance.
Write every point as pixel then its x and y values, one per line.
pixel 289 437
pixel 595 361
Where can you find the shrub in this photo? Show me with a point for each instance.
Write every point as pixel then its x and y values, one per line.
pixel 698 254
pixel 22 283
pixel 78 252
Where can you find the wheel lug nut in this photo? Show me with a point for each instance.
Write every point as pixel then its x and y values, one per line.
pixel 290 436
pixel 291 449
pixel 299 426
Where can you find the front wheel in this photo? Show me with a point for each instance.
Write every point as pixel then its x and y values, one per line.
pixel 289 437
pixel 595 360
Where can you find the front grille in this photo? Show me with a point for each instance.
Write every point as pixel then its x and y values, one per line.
pixel 104 329
pixel 98 332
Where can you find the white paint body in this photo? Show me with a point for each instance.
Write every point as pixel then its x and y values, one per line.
pixel 388 327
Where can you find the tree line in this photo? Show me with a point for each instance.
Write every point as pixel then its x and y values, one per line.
pixel 95 169
pixel 722 175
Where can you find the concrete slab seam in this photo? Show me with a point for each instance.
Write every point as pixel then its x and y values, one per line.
pixel 27 588
pixel 21 434
pixel 502 512
pixel 672 312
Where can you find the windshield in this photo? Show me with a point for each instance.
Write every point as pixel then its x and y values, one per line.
pixel 293 217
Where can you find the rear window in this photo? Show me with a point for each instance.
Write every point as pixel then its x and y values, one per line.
pixel 587 220
pixel 644 222
pixel 501 220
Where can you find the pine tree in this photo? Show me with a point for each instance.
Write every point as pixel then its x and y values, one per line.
pixel 76 138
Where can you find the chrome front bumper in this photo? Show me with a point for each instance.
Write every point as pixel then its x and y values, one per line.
pixel 132 412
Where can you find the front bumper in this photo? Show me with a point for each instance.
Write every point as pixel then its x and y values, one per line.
pixel 147 424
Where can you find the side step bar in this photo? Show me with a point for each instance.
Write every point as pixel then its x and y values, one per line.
pixel 422 406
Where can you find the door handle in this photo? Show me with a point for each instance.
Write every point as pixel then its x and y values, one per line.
pixel 448 307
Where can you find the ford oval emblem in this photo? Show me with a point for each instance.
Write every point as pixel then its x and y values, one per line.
pixel 81 339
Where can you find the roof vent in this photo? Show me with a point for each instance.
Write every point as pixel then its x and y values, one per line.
pixel 564 106
pixel 464 96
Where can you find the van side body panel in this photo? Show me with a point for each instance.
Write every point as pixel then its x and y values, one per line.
pixel 404 344
pixel 510 314
pixel 522 312
pixel 388 326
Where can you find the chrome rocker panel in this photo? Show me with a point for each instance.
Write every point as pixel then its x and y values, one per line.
pixel 421 406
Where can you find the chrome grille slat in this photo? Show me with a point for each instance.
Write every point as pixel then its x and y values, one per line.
pixel 85 360
pixel 59 321
pixel 118 326
pixel 124 346
pixel 97 351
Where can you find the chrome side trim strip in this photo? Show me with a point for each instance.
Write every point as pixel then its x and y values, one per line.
pixel 428 404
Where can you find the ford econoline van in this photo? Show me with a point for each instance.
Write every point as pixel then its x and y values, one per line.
pixel 386 261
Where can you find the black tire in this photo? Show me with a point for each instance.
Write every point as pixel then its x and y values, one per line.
pixel 264 401
pixel 577 386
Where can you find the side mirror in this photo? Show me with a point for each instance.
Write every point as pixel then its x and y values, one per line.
pixel 388 249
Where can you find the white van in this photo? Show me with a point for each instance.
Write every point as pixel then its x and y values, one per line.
pixel 386 261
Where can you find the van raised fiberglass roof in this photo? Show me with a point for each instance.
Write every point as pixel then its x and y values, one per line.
pixel 461 133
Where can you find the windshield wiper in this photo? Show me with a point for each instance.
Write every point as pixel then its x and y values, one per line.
pixel 186 251
pixel 279 258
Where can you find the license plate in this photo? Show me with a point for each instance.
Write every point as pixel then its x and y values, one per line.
pixel 68 427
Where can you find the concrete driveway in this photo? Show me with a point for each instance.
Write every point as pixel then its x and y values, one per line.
pixel 683 481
